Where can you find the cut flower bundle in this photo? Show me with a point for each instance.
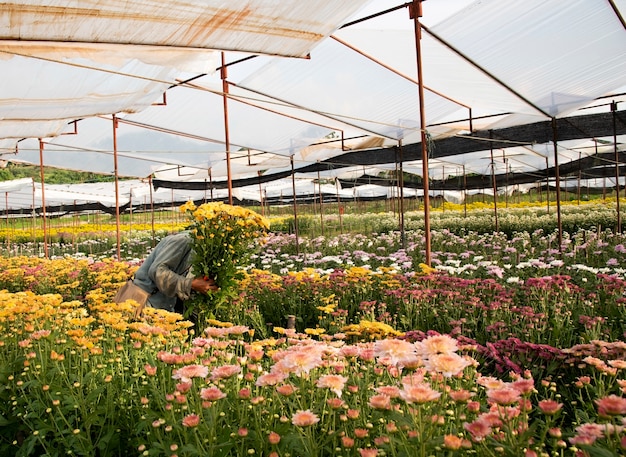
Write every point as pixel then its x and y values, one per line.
pixel 222 239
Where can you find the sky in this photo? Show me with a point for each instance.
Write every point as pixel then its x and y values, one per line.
pixel 433 12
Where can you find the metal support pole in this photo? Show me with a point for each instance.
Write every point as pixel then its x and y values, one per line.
pixel 443 186
pixel 464 192
pixel 339 209
pixel 43 201
pixel 506 183
pixel 6 208
pixel 557 178
pixel 494 184
pixel 211 182
pixel 117 190
pixel 319 184
pixel 401 186
pixel 415 10
pixel 617 204
pixel 130 209
pixel 34 221
pixel 261 194
pixel 152 212
pixel 579 175
pixel 295 206
pixel 547 185
pixel 224 75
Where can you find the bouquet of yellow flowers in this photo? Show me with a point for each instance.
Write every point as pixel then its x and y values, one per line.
pixel 222 238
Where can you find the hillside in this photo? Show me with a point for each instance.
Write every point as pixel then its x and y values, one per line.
pixel 51 175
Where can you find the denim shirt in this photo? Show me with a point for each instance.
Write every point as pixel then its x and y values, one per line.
pixel 164 272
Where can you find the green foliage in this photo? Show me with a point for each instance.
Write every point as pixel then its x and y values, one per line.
pixel 51 175
pixel 511 221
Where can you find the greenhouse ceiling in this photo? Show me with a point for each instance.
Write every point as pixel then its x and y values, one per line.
pixel 171 89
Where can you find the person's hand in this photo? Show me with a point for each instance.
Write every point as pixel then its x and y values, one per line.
pixel 203 285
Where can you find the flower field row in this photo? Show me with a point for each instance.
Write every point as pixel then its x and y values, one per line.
pixel 506 345
pixel 86 380
pixel 98 239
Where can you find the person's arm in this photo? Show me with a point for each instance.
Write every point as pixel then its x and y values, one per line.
pixel 166 268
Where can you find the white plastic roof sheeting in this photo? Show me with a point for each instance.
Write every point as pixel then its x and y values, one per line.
pixel 29 196
pixel 287 27
pixel 535 58
pixel 26 195
pixel 71 59
pixel 511 63
pixel 48 82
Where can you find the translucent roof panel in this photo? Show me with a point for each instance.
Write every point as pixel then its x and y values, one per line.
pixel 51 83
pixel 532 58
pixel 11 131
pixel 16 184
pixel 286 27
pixel 71 59
pixel 138 192
pixel 91 149
pixel 345 85
pixel 200 111
pixel 444 71
pixel 512 63
pixel 318 153
pixel 557 55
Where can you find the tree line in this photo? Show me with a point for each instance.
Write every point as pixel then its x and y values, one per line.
pixel 51 175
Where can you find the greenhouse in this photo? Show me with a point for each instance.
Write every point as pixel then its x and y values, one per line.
pixel 240 108
pixel 393 229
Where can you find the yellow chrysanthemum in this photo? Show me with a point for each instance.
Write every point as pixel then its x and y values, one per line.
pixel 426 269
pixel 188 206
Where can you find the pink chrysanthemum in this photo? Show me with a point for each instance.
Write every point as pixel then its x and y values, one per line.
pixel 395 352
pixel 390 391
pixel 380 401
pixel 191 420
pixel 270 379
pixel 525 386
pixel 452 442
pixel 550 407
pixel 225 372
pixel 489 382
pixel 216 332
pixel 188 372
pixel 448 364
pixel 237 330
pixel 419 393
pixel 417 377
pixel 286 390
pixel 504 396
pixel 211 394
pixel 333 382
pixel 301 362
pixel 304 418
pixel 478 429
pixel 612 405
pixel 436 344
pixel 461 395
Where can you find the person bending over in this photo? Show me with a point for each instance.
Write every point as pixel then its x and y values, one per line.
pixel 164 274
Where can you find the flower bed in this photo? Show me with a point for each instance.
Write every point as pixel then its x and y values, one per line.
pixel 92 382
pixel 507 346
